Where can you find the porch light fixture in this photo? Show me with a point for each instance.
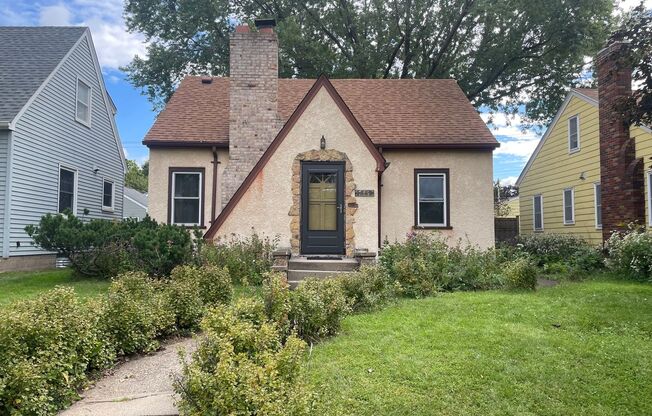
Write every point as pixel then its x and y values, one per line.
pixel 583 176
pixel 322 143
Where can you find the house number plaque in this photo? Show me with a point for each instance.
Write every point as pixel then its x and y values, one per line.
pixel 364 192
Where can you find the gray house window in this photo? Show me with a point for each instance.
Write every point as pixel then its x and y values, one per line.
pixel 186 192
pixel 83 107
pixel 108 195
pixel 67 189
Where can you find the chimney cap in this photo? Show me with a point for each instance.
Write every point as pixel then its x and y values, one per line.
pixel 265 22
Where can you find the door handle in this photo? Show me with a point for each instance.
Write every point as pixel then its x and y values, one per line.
pixel 340 208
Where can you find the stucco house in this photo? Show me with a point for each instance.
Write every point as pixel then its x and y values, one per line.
pixel 590 174
pixel 59 145
pixel 331 167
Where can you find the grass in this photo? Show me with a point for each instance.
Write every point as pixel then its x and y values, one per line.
pixel 578 348
pixel 23 285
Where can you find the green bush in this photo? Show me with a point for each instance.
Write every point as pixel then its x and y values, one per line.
pixel 552 248
pixel 317 307
pixel 276 295
pixel 135 313
pixel 520 273
pixel 241 366
pixel 183 299
pixel 47 347
pixel 248 259
pixel 368 289
pixel 630 254
pixel 104 248
pixel 213 282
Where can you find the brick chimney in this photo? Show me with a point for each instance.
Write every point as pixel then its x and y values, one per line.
pixel 621 173
pixel 253 119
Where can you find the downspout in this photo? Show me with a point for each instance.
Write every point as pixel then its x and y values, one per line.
pixel 215 162
pixel 6 228
pixel 380 187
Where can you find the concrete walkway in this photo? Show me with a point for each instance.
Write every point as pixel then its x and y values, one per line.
pixel 138 387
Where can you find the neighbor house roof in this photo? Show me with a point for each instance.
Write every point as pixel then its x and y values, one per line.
pixel 28 55
pixel 394 113
pixel 591 93
pixel 136 196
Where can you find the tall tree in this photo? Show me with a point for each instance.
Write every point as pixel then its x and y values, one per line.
pixel 504 53
pixel 136 177
pixel 637 31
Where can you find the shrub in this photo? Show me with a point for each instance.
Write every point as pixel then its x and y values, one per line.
pixel 368 288
pixel 213 282
pixel 276 295
pixel 552 248
pixel 317 307
pixel 630 254
pixel 520 273
pixel 135 313
pixel 241 366
pixel 104 248
pixel 48 345
pixel 248 259
pixel 183 299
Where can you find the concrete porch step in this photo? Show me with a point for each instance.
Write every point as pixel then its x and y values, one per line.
pixel 302 263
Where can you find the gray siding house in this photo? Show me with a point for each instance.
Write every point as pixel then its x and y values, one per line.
pixel 59 144
pixel 135 204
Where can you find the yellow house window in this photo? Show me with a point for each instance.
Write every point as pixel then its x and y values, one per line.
pixel 537 203
pixel 569 206
pixel 573 134
pixel 597 192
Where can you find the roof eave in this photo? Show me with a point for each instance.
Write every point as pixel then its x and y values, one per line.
pixel 451 146
pixel 184 143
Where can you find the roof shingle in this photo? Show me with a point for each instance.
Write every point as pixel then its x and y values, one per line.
pixel 29 55
pixel 417 112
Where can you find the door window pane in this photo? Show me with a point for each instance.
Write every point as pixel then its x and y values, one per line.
pixel 66 190
pixel 431 199
pixel 322 202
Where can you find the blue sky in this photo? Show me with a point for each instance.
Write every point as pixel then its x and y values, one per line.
pixel 116 47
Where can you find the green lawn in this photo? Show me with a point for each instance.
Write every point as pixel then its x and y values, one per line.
pixel 575 349
pixel 23 285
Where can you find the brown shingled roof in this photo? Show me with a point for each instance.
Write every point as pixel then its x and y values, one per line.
pixel 589 92
pixel 406 112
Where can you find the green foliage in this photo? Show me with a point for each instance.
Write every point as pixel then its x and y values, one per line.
pixel 554 248
pixel 183 299
pixel 317 308
pixel 368 289
pixel 103 248
pixel 135 313
pixel 630 254
pixel 248 259
pixel 48 345
pixel 213 282
pixel 520 274
pixel 276 295
pixel 241 366
pixel 136 177
pixel 423 265
pixel 499 51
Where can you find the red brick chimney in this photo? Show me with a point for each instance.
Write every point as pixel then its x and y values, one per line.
pixel 621 173
pixel 253 117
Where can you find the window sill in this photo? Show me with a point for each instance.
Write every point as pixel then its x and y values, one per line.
pixel 82 122
pixel 566 224
pixel 538 231
pixel 108 209
pixel 573 151
pixel 190 227
pixel 432 227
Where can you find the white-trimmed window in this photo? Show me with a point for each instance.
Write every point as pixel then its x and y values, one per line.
pixel 432 197
pixel 67 189
pixel 186 196
pixel 83 107
pixel 537 208
pixel 597 193
pixel 569 206
pixel 108 195
pixel 649 198
pixel 574 134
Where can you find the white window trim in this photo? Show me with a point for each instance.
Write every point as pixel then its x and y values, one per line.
pixel 595 204
pixel 563 205
pixel 110 208
pixel 90 102
pixel 423 224
pixel 649 198
pixel 534 213
pixel 576 149
pixel 174 183
pixel 76 182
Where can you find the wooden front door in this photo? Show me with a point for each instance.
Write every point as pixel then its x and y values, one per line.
pixel 322 208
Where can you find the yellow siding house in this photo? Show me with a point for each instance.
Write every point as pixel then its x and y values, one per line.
pixel 559 188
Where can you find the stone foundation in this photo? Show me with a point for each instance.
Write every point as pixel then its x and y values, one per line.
pixel 351 205
pixel 27 263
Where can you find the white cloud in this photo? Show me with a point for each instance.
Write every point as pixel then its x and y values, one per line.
pixel 114 45
pixel 56 15
pixel 515 139
pixel 509 180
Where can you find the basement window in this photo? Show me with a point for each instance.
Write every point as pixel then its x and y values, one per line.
pixel 569 206
pixel 573 134
pixel 186 196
